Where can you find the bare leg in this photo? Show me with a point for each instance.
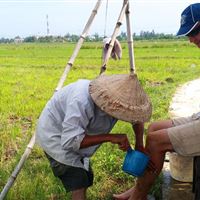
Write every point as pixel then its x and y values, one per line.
pixel 79 194
pixel 159 125
pixel 157 144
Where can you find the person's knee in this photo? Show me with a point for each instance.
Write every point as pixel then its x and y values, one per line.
pixel 159 125
pixel 152 127
pixel 154 142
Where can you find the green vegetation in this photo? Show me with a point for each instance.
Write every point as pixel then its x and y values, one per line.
pixel 29 75
pixel 144 35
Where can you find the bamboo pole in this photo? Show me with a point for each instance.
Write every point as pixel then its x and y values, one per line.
pixel 18 168
pixel 114 35
pixel 59 86
pixel 130 42
pixel 78 46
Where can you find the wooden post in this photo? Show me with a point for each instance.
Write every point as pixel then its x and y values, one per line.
pixel 59 86
pixel 130 41
pixel 114 35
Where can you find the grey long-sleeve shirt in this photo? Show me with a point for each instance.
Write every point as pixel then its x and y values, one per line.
pixel 66 118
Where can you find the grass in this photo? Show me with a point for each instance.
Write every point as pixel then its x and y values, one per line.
pixel 29 75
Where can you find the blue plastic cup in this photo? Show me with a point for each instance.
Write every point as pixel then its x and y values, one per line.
pixel 135 163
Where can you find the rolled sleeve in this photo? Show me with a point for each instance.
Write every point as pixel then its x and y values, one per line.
pixel 72 143
pixel 77 141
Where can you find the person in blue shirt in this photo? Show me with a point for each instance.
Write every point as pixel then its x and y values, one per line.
pixel 71 128
pixel 181 135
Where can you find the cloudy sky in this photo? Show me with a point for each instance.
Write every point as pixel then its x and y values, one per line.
pixel 28 17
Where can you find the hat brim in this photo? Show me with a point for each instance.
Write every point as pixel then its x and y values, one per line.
pixel 184 30
pixel 122 97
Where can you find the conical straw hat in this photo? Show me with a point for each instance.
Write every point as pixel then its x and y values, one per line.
pixel 122 97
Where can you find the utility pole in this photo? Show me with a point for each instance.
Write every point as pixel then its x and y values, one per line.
pixel 47 25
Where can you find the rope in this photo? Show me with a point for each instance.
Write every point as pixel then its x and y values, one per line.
pixel 106 18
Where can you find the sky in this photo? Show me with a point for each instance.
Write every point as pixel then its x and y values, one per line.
pixel 29 17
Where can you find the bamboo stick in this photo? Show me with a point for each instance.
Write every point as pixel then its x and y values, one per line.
pixel 59 86
pixel 114 35
pixel 18 168
pixel 78 46
pixel 130 42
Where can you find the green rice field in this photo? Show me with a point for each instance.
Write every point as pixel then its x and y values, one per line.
pixel 29 73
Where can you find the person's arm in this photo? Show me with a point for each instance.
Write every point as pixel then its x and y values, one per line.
pixel 139 132
pixel 120 139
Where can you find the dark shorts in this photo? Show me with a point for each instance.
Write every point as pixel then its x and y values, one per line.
pixel 72 178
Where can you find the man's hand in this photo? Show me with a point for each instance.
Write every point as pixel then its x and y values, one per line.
pixel 121 140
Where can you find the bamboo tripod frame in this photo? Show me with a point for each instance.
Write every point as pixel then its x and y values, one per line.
pixel 124 10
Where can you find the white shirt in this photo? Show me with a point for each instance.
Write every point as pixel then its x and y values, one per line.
pixel 66 118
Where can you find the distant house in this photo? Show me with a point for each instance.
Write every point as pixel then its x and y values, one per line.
pixel 18 40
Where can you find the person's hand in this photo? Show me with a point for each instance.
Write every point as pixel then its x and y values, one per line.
pixel 121 140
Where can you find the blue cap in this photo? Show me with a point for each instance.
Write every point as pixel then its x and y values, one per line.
pixel 189 19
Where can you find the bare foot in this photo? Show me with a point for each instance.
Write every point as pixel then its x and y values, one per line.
pixel 123 196
pixel 137 196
